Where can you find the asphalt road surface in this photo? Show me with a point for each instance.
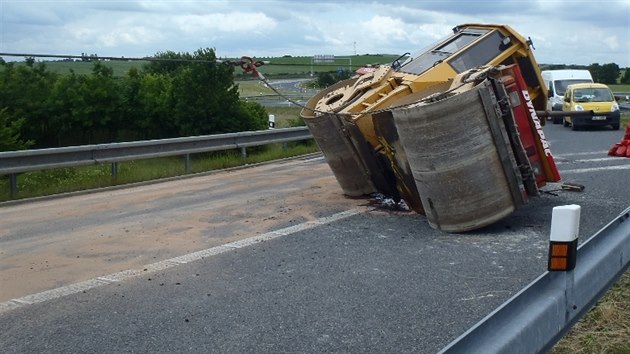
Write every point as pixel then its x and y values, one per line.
pixel 273 259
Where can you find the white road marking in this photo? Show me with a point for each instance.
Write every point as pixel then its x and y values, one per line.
pixel 593 169
pixel 603 152
pixel 168 263
pixel 601 159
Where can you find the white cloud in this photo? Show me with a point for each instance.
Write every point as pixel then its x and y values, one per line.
pixel 383 28
pixel 133 36
pixel 612 42
pixel 276 27
pixel 240 22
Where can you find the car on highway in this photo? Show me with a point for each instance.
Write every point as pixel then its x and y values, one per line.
pixel 557 82
pixel 591 97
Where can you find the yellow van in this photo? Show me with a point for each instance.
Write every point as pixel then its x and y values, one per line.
pixel 591 97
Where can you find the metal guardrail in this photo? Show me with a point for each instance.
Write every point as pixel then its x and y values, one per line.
pixel 41 159
pixel 539 315
pixel 277 97
pixel 13 162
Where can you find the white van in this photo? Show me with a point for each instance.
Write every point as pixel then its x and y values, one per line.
pixel 557 82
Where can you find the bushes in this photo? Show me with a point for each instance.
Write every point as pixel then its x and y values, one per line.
pixel 9 133
pixel 328 78
pixel 188 94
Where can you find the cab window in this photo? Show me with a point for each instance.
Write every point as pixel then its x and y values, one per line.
pixel 423 61
pixel 480 53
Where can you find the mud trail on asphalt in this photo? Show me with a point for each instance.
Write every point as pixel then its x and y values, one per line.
pixel 56 242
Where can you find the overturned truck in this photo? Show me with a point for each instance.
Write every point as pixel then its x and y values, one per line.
pixel 453 130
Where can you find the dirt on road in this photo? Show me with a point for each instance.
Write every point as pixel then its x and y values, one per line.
pixel 60 241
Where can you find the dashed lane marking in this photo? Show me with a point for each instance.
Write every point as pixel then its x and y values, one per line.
pixel 601 159
pixel 593 169
pixel 602 152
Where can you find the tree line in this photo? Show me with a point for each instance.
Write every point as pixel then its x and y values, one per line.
pixel 181 94
pixel 608 74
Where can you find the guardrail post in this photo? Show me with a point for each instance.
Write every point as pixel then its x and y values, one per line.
pixel 243 152
pixel 187 163
pixel 114 170
pixel 13 185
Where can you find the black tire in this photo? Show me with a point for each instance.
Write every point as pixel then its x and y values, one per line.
pixel 575 127
pixel 556 120
pixel 615 126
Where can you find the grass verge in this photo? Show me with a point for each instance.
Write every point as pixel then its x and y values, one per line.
pixel 605 328
pixel 71 179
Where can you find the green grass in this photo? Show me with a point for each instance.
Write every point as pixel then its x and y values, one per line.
pixel 85 68
pixel 253 88
pixel 303 65
pixel 619 88
pixel 63 180
pixel 278 66
pixel 286 116
pixel 605 328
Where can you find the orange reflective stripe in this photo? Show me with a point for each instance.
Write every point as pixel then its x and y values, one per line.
pixel 557 263
pixel 559 250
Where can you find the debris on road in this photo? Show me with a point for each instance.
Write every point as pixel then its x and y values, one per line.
pixel 574 187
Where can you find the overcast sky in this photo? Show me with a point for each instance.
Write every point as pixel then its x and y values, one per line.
pixel 564 32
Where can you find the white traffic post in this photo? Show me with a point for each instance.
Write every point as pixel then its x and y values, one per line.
pixel 565 227
pixel 272 121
